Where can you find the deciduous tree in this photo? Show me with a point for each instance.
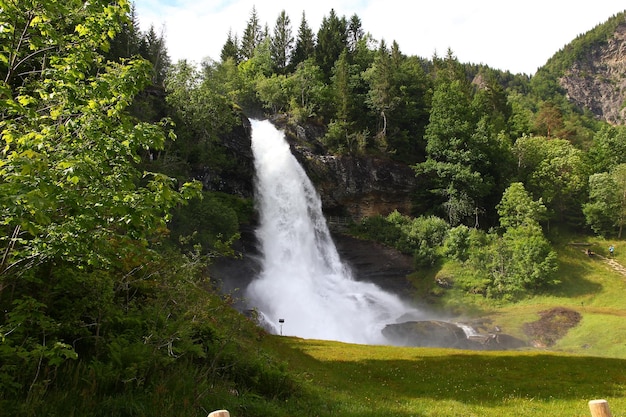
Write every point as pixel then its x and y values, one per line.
pixel 606 210
pixel 517 208
pixel 71 190
pixel 555 171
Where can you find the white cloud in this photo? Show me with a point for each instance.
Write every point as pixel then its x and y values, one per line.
pixel 519 37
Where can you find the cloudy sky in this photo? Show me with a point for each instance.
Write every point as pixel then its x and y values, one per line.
pixel 515 36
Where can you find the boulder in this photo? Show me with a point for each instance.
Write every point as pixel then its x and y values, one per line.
pixel 434 333
pixel 430 333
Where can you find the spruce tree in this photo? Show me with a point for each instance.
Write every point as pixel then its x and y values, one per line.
pixel 305 43
pixel 331 41
pixel 252 36
pixel 154 50
pixel 355 32
pixel 230 48
pixel 282 42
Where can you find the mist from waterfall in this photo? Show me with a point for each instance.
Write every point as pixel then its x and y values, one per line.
pixel 303 281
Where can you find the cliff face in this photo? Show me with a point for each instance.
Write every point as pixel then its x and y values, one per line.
pixel 598 81
pixel 352 186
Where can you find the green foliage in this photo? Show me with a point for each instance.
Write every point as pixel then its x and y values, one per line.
pixel 331 41
pixel 203 117
pixel 211 222
pixel 307 91
pixel 230 50
pixel 56 135
pixel 606 209
pixel 417 236
pixel 512 266
pixel 340 139
pixel 252 35
pixel 305 43
pixel 516 264
pixel 457 243
pixel 608 148
pixel 466 157
pixel 517 208
pixel 272 93
pixel 531 260
pixel 75 208
pixel 553 170
pixel 282 42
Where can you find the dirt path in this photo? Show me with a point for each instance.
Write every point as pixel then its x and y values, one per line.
pixel 616 266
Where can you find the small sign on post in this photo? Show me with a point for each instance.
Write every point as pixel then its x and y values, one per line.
pixel 599 408
pixel 281 321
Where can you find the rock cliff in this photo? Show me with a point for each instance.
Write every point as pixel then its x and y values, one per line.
pixel 597 80
pixel 351 186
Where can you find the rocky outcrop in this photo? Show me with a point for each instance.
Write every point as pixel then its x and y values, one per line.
pixel 430 333
pixel 435 333
pixel 372 262
pixel 597 82
pixel 350 185
pixel 361 187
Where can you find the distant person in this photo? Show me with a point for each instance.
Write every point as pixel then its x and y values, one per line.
pixel 611 250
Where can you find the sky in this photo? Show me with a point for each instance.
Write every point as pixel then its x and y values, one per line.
pixel 515 36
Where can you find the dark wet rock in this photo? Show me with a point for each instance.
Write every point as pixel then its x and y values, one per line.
pixel 434 333
pixel 372 262
pixel 431 333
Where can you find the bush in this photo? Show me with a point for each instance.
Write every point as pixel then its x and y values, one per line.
pixel 457 243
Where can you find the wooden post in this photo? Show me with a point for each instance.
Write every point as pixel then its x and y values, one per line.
pixel 599 408
pixel 220 413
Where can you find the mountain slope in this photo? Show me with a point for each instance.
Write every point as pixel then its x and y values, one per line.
pixel 592 70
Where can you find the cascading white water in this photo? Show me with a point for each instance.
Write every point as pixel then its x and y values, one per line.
pixel 303 280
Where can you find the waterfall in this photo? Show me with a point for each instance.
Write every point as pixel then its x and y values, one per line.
pixel 303 281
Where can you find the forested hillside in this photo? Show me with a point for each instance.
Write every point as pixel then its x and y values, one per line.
pixel 123 175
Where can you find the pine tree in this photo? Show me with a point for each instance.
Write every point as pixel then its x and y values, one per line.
pixel 127 42
pixel 282 42
pixel 305 43
pixel 154 50
pixel 451 155
pixel 331 41
pixel 355 32
pixel 252 36
pixel 230 48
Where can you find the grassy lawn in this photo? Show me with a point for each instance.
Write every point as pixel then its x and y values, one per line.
pixel 357 380
pixel 588 363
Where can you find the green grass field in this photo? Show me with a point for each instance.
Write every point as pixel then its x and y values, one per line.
pixel 356 380
pixel 588 363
